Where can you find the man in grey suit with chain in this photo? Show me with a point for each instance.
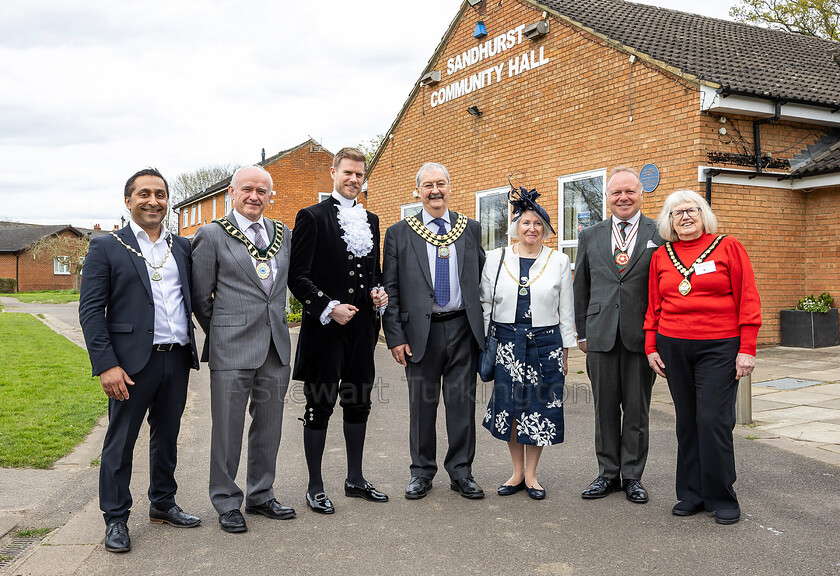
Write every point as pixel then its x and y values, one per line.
pixel 239 274
pixel 434 327
pixel 611 288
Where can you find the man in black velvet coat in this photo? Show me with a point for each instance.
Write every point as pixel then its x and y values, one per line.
pixel 335 273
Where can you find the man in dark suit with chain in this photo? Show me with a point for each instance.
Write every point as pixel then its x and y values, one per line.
pixel 434 327
pixel 135 310
pixel 334 272
pixel 611 287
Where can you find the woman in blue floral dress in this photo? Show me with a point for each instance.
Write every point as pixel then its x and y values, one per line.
pixel 532 309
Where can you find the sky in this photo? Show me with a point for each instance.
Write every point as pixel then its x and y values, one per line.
pixel 93 90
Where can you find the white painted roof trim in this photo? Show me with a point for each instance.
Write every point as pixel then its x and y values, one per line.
pixel 711 101
pixel 741 177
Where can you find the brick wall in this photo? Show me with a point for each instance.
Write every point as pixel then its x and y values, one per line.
pixel 35 274
pixel 574 115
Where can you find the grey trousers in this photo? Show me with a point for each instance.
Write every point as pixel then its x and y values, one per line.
pixel 451 357
pixel 230 393
pixel 621 387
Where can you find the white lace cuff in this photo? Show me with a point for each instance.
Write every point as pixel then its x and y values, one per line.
pixel 325 315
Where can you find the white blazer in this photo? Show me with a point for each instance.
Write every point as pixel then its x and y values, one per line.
pixel 552 299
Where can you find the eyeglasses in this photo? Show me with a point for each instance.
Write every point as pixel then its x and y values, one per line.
pixel 692 212
pixel 429 186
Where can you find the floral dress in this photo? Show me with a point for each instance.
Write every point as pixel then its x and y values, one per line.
pixel 529 380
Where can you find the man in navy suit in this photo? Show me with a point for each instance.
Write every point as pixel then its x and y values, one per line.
pixel 135 311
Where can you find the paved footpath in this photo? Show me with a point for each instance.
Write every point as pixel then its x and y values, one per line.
pixel 789 492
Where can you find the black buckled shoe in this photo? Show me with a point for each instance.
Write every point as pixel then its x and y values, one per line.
pixel 467 487
pixel 418 487
pixel 368 492
pixel 272 509
pixel 600 487
pixel 174 517
pixel 320 503
pixel 232 521
pixel 686 508
pixel 116 538
pixel 635 492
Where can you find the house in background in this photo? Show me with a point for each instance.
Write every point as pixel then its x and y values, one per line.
pixel 29 272
pixel 301 177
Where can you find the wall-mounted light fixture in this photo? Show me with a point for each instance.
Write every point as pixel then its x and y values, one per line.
pixel 480 30
pixel 536 30
pixel 474 111
pixel 429 78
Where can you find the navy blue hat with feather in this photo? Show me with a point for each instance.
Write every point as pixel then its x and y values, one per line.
pixel 522 199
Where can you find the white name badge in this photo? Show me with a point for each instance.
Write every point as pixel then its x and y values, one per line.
pixel 705 267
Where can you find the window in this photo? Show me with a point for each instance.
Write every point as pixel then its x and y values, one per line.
pixel 186 213
pixel 61 266
pixel 323 196
pixel 199 213
pixel 213 204
pixel 192 215
pixel 410 209
pixel 493 213
pixel 227 203
pixel 582 204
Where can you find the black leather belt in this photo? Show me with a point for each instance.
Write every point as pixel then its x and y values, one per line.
pixel 166 347
pixel 443 316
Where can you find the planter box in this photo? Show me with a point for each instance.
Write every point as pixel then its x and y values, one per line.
pixel 802 329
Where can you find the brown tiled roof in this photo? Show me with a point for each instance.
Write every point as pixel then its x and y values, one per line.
pixel 741 58
pixel 16 236
pixel 823 157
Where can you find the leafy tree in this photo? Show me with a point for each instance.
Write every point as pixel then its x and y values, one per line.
pixel 67 248
pixel 186 184
pixel 369 147
pixel 811 17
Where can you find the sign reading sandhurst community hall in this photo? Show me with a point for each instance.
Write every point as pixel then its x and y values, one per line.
pixel 528 60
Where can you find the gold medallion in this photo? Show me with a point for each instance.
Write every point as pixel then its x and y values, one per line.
pixel 156 276
pixel 443 251
pixel 523 291
pixel 622 258
pixel 685 287
pixel 263 270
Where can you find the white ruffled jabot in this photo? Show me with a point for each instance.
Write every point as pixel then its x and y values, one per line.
pixel 357 233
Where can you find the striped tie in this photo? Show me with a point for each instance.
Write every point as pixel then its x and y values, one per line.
pixel 441 270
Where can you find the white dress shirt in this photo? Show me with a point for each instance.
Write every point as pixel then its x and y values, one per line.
pixel 615 224
pixel 170 314
pixel 244 225
pixel 455 300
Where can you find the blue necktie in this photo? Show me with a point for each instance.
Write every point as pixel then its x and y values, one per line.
pixel 441 270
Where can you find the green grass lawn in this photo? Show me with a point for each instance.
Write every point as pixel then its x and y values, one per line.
pixel 47 296
pixel 48 400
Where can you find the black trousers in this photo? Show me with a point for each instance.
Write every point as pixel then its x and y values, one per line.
pixel 701 376
pixel 451 358
pixel 160 389
pixel 345 371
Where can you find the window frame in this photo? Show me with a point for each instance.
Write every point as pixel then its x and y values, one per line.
pixel 503 190
pixel 61 266
pixel 413 206
pixel 602 172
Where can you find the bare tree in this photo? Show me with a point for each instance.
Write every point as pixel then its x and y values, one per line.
pixel 810 17
pixel 187 184
pixel 66 248
pixel 369 147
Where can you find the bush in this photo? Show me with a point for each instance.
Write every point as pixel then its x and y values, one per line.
pixel 820 304
pixel 292 317
pixel 8 285
pixel 295 307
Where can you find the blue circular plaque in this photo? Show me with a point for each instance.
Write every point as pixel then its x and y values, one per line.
pixel 649 175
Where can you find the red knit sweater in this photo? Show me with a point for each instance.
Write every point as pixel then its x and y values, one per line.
pixel 721 304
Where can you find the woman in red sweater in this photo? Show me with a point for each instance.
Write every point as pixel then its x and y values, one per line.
pixel 700 333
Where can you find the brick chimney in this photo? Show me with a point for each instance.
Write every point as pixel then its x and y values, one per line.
pixel 97 227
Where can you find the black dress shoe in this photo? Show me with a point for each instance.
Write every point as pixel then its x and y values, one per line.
pixel 600 487
pixel 727 515
pixel 116 538
pixel 507 489
pixel 320 503
pixel 635 492
pixel 418 487
pixel 174 517
pixel 467 487
pixel 535 493
pixel 232 521
pixel 272 509
pixel 368 492
pixel 686 508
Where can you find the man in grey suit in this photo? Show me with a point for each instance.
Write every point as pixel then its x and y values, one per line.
pixel 434 327
pixel 611 289
pixel 239 274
